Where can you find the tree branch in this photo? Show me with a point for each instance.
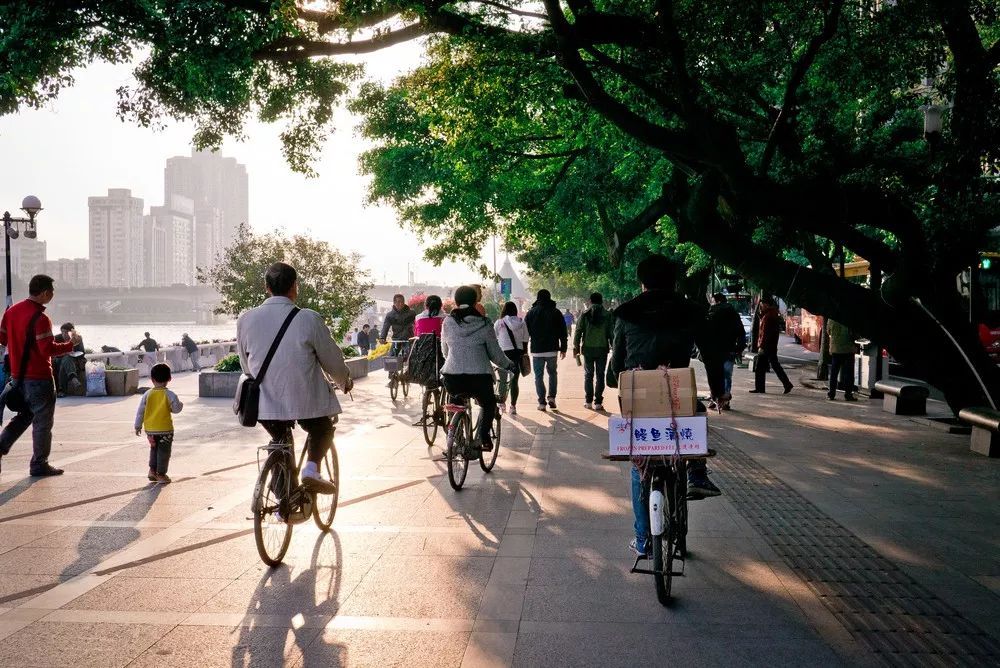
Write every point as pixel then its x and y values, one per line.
pixel 795 80
pixel 511 10
pixel 302 48
pixel 327 23
pixel 618 238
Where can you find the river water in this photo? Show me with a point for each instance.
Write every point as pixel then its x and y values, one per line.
pixel 125 337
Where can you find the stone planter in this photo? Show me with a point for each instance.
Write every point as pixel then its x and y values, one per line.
pixel 121 383
pixel 213 383
pixel 358 366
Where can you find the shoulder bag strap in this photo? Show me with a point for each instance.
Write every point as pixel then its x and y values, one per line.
pixel 29 343
pixel 274 345
pixel 513 342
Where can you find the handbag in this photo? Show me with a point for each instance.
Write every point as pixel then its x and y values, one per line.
pixel 247 402
pixel 525 360
pixel 12 396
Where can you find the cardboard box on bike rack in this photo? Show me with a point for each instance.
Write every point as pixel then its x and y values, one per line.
pixel 645 393
pixel 656 435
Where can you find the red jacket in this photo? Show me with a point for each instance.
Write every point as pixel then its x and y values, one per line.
pixel 14 327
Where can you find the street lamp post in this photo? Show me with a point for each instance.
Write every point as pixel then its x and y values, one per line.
pixel 31 206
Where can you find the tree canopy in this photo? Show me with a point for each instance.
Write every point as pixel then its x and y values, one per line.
pixel 763 133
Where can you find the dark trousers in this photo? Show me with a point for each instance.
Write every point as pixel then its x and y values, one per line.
pixel 842 369
pixel 41 398
pixel 768 359
pixel 715 370
pixel 594 365
pixel 511 379
pixel 319 434
pixel 479 387
pixel 160 446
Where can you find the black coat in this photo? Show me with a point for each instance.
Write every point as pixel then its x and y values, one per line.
pixel 656 328
pixel 400 322
pixel 546 328
pixel 724 333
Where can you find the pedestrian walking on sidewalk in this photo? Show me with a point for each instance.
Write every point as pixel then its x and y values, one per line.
pixel 594 332
pixel 842 349
pixel 767 346
pixel 148 344
pixel 154 415
pixel 512 334
pixel 549 342
pixel 27 333
pixel 364 340
pixel 658 328
pixel 192 350
pixel 724 342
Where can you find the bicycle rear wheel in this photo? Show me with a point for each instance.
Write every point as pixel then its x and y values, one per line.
pixel 272 534
pixel 325 505
pixel 431 406
pixel 680 512
pixel 488 459
pixel 459 440
pixel 393 387
pixel 663 551
pixel 405 382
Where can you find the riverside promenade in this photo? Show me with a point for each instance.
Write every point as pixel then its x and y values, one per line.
pixel 845 536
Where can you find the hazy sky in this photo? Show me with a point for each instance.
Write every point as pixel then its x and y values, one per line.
pixel 77 147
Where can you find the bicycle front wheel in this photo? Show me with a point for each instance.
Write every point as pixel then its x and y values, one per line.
pixel 459 440
pixel 405 382
pixel 271 531
pixel 431 406
pixel 325 505
pixel 488 459
pixel 393 388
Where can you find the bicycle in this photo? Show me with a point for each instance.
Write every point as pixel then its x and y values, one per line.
pixel 463 446
pixel 665 497
pixel 395 366
pixel 280 501
pixel 432 407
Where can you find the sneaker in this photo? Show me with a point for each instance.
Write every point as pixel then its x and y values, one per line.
pixel 486 444
pixel 633 545
pixel 599 407
pixel 75 386
pixel 588 405
pixel 162 479
pixel 314 482
pixel 44 472
pixel 712 406
pixel 151 476
pixel 541 406
pixel 725 406
pixel 756 391
pixel 850 397
pixel 502 407
pixel 513 409
pixel 701 488
pixel 788 388
pixel 552 403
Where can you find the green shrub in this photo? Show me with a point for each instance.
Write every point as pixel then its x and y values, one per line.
pixel 230 362
pixel 350 351
pixel 115 367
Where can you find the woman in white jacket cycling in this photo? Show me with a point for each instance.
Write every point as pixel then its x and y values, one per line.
pixel 512 334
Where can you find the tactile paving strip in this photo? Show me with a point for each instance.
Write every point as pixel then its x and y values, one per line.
pixel 902 622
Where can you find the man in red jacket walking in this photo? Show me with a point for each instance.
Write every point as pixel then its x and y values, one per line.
pixel 39 391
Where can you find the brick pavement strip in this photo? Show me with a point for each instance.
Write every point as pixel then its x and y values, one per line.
pixel 525 566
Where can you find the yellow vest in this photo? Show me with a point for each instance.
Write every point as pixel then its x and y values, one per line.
pixel 156 417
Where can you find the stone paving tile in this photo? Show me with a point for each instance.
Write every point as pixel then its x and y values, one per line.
pixel 418 586
pixel 14 587
pixel 339 647
pixel 46 644
pixel 227 647
pixel 149 594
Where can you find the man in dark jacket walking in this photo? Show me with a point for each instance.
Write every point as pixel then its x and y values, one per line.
pixel 767 346
pixel 594 331
pixel 658 328
pixel 724 340
pixel 549 341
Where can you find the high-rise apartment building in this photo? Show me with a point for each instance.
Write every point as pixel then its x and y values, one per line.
pixel 69 273
pixel 218 187
pixel 116 240
pixel 172 246
pixel 27 257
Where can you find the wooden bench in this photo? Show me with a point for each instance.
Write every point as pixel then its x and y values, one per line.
pixel 903 397
pixel 985 429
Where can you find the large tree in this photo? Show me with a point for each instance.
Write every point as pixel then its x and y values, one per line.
pixel 757 127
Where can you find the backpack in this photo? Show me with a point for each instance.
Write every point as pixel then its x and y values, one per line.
pixel 424 363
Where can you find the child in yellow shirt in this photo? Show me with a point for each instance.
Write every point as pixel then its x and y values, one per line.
pixel 153 414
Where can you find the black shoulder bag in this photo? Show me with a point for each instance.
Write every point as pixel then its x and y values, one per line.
pixel 13 393
pixel 247 402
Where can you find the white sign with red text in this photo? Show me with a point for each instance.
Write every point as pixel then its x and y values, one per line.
pixel 657 435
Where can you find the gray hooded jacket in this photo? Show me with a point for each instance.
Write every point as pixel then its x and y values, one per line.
pixel 468 347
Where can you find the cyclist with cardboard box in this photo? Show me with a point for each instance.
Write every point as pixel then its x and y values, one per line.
pixel 657 328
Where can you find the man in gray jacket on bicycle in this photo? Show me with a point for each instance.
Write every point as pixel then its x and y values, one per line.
pixel 297 385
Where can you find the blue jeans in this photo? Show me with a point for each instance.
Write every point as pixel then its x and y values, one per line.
pixel 540 365
pixel 40 396
pixel 697 470
pixel 727 375
pixel 594 365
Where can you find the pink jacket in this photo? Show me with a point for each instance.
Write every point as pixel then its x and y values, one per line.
pixel 427 324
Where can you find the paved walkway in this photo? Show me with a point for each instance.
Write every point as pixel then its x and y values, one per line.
pixel 845 537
